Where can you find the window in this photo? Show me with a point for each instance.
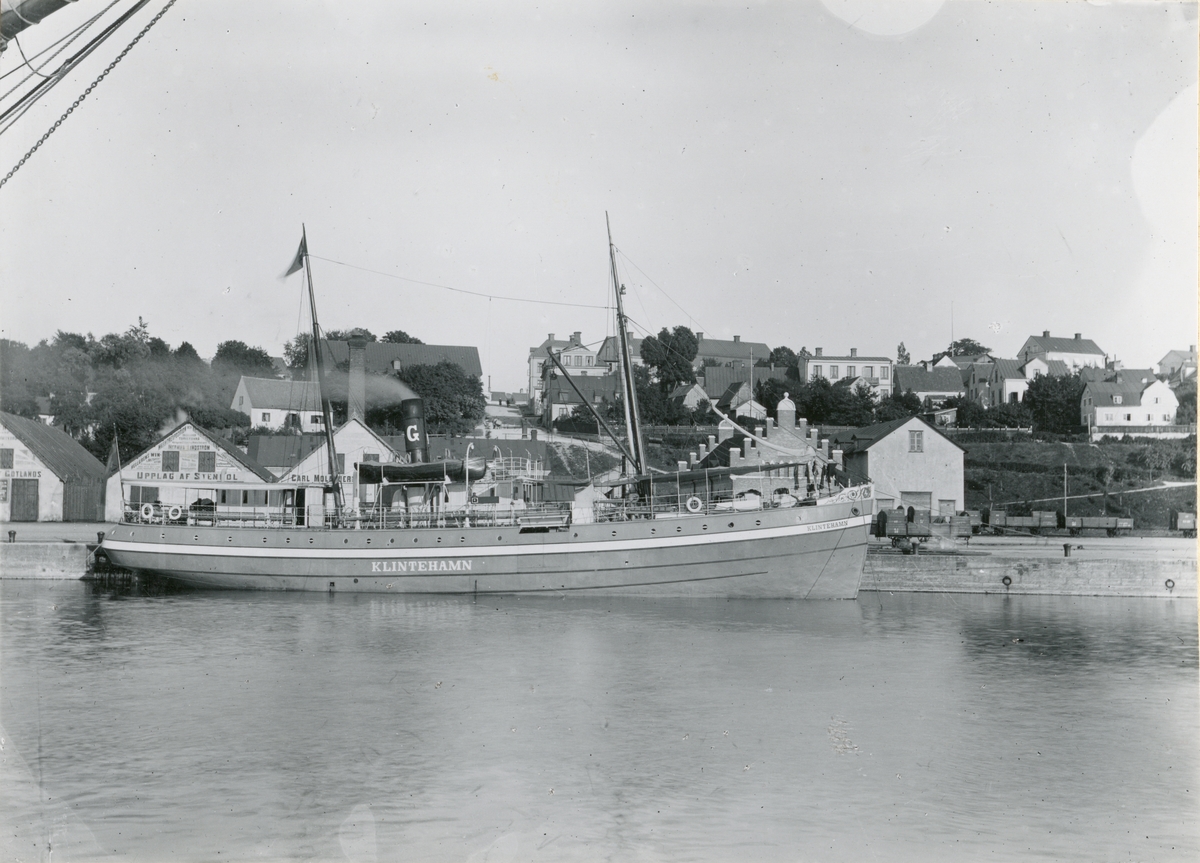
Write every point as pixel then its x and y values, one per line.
pixel 341 462
pixel 254 497
pixel 883 373
pixel 139 494
pixel 3 491
pixel 1118 399
pixel 591 360
pixel 1108 417
pixel 208 462
pixel 6 458
pixel 916 441
pixel 170 461
pixel 1166 418
pixel 1156 399
pixel 816 372
pixel 868 371
pixel 317 419
pixel 850 372
pixel 1012 398
pixel 371 456
pixel 833 373
pixel 1128 418
pixel 266 416
pixel 240 400
pixel 1149 418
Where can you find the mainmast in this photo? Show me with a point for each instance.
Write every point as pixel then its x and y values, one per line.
pixel 326 407
pixel 633 428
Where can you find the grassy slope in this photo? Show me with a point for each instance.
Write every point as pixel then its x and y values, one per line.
pixel 1014 475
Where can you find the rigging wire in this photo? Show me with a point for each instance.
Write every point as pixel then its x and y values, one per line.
pixel 664 293
pixel 86 50
pixel 457 290
pixel 62 44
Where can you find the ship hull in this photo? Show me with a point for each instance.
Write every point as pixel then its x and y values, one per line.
pixel 798 553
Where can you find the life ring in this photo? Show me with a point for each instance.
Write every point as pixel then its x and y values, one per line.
pixel 474 498
pixel 1006 581
pixel 174 513
pixel 147 511
pixel 694 504
pixel 1170 583
pixel 866 492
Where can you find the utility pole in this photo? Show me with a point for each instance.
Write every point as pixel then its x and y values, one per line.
pixel 1064 489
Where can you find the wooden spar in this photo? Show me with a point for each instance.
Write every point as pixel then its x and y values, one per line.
pixel 633 426
pixel 599 419
pixel 326 407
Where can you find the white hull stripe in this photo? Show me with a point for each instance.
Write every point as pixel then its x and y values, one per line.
pixel 459 551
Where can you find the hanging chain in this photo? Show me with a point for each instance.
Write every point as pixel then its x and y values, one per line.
pixel 86 93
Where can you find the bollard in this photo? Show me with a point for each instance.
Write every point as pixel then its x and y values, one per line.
pixel 12 536
pixel 1066 549
pixel 99 536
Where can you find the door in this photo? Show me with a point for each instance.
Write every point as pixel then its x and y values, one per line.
pixel 24 500
pixel 921 500
pixel 946 507
pixel 299 507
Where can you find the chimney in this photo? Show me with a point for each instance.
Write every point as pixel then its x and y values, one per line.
pixel 357 397
pixel 1045 334
pixel 818 352
pixel 550 337
pixel 1078 336
pixel 699 337
pixel 737 338
pixel 854 352
pixel 575 336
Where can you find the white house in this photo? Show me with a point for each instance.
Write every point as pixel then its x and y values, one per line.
pixel 1178 365
pixel 1076 353
pixel 910 462
pixel 1134 408
pixel 936 384
pixel 188 465
pixel 876 370
pixel 578 359
pixel 279 404
pixel 354 443
pixel 45 475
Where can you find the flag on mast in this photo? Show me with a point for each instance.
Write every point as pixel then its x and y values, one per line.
pixel 298 261
pixel 114 456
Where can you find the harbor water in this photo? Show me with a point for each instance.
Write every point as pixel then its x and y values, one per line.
pixel 907 727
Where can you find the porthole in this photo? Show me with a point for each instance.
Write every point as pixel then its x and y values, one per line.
pixel 310 540
pixel 196 537
pixel 229 539
pixel 679 530
pixel 415 538
pixel 264 540
pixel 499 539
pixel 731 524
pixel 757 522
pixel 462 539
pixel 368 543
pixel 346 541
pixel 439 539
pixel 575 535
pixel 356 581
pixel 704 527
pixel 654 530
pixel 392 541
pixel 288 540
pixel 614 533
pixel 162 536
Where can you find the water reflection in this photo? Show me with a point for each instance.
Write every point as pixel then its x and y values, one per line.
pixel 368 726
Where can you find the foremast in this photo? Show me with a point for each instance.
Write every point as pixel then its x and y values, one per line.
pixel 633 427
pixel 326 406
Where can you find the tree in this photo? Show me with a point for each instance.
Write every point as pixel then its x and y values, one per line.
pixel 670 355
pixel 295 352
pixel 186 354
pixel 1185 414
pixel 234 357
pixel 346 335
pixel 816 401
pixel 454 400
pixel 902 356
pixel 962 348
pixel 852 406
pixel 783 356
pixel 770 392
pixel 897 406
pixel 968 413
pixel 399 337
pixel 1053 402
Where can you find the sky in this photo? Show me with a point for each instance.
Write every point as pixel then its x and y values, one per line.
pixel 818 174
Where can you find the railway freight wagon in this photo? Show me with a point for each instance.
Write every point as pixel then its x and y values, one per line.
pixel 918 525
pixel 1184 522
pixel 1110 523
pixel 999 522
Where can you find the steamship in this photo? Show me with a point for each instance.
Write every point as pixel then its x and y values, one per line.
pixel 781 526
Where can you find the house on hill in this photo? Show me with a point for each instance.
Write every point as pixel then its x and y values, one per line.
pixel 188 466
pixel 1076 353
pixel 877 370
pixel 561 399
pixel 738 401
pixel 279 404
pixel 577 358
pixel 1178 366
pixel 910 462
pixel 1131 407
pixel 46 475
pixel 609 354
pixel 722 352
pixel 935 385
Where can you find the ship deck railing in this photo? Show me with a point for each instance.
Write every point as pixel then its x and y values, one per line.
pixel 535 515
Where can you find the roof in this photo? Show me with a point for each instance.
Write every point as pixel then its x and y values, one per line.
pixel 858 440
pixel 946 379
pixel 731 350
pixel 56 449
pixel 1125 376
pixel 718 378
pixel 1057 368
pixel 281 394
pixel 1065 346
pixel 964 360
pixel 1007 369
pixel 1103 393
pixel 380 356
pixel 848 358
pixel 610 350
pixel 731 392
pixel 278 450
